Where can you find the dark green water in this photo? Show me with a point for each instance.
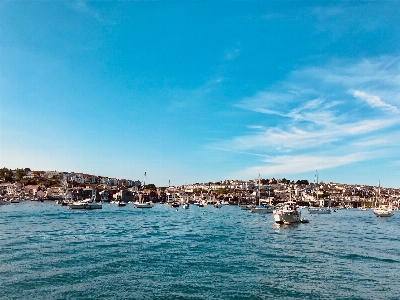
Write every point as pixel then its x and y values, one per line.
pixel 50 252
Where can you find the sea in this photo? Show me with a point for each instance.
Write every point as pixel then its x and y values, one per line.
pixel 48 251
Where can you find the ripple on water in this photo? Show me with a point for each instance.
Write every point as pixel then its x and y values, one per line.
pixel 50 252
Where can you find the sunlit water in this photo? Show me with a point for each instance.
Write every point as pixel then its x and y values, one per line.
pixel 50 252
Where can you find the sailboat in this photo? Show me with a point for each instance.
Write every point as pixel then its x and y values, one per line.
pixel 89 203
pixel 143 204
pixel 320 209
pixel 382 210
pixel 268 209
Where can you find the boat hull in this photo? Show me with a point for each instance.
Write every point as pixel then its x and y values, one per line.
pixel 261 210
pixel 286 218
pixel 288 214
pixel 383 212
pixel 319 211
pixel 85 206
pixel 143 205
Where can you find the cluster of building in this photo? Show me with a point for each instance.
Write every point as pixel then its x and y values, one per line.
pixel 273 191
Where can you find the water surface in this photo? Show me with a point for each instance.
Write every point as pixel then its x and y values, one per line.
pixel 50 252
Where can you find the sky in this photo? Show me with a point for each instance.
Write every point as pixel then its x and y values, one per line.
pixel 202 91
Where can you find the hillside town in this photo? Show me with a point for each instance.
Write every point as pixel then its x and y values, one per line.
pixel 25 184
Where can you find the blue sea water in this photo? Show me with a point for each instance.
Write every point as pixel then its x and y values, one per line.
pixel 50 252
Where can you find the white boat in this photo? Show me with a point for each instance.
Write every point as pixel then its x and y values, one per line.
pixel 319 210
pixel 147 204
pixel 185 205
pixel 267 209
pixel 287 214
pixel 261 209
pixel 4 202
pixel 85 204
pixel 383 212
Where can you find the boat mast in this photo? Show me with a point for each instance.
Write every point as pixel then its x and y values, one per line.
pixel 258 191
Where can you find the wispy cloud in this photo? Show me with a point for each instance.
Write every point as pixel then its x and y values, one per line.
pixel 231 54
pixel 375 101
pixel 314 112
pixel 82 7
pixel 283 165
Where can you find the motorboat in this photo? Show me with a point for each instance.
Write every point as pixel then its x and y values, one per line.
pixel 263 209
pixel 185 205
pixel 319 210
pixel 287 214
pixel 85 204
pixel 147 204
pixel 383 212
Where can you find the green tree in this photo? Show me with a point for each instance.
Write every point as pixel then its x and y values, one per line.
pixel 6 175
pixel 150 187
pixel 19 174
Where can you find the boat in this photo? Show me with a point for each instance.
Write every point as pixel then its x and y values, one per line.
pixel 15 200
pixel 383 211
pixel 121 203
pixel 319 210
pixel 246 207
pixel 147 204
pixel 287 214
pixel 85 204
pixel 185 205
pixel 4 202
pixel 261 209
pixel 217 205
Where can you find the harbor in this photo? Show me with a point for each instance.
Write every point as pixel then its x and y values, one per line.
pixel 51 252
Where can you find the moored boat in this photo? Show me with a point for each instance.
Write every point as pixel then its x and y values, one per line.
pixel 86 204
pixel 287 214
pixel 217 205
pixel 147 204
pixel 383 212
pixel 4 202
pixel 319 210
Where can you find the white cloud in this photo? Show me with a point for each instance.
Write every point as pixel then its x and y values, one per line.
pixel 374 101
pixel 283 165
pixel 313 112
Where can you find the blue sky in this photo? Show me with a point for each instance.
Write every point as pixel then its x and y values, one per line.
pixel 199 91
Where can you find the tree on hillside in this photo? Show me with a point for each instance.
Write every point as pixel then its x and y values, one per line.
pixel 285 181
pixel 6 175
pixel 150 187
pixel 305 182
pixel 19 174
